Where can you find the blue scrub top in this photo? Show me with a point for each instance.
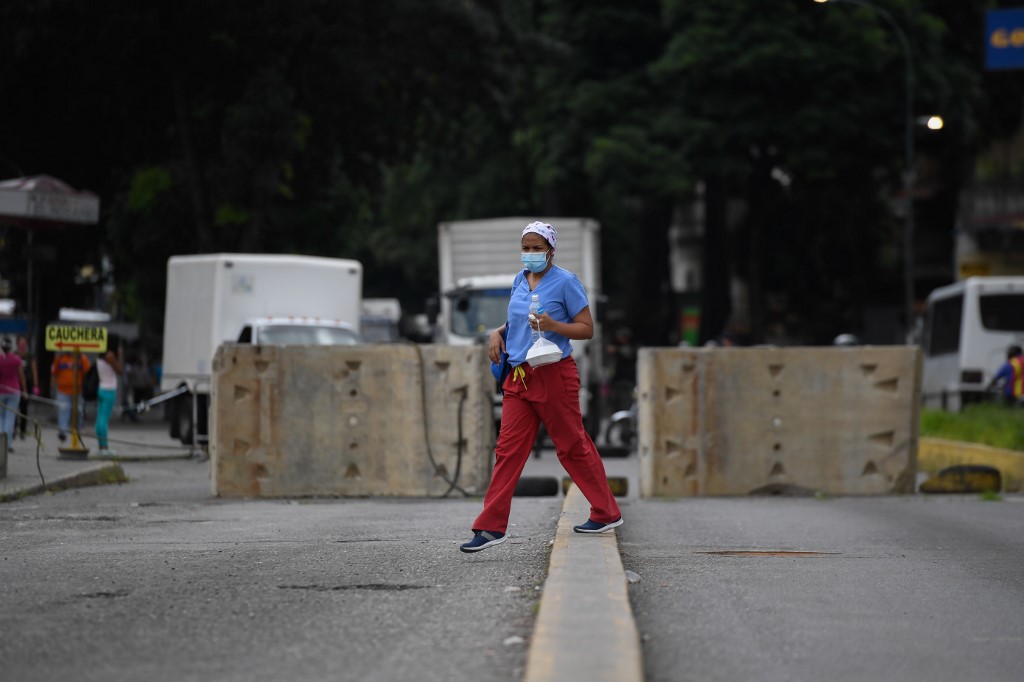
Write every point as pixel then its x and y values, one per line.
pixel 561 295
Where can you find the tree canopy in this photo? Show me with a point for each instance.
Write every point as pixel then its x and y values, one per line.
pixel 351 129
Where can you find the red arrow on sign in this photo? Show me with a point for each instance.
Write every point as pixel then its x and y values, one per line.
pixel 62 345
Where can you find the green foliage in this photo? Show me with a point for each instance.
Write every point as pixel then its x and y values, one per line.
pixel 987 424
pixel 228 214
pixel 147 184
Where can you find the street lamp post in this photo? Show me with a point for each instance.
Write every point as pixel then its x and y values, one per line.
pixel 908 173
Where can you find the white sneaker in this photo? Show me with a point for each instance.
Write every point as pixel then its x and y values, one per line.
pixel 107 452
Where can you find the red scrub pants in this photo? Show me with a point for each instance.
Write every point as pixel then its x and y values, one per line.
pixel 549 394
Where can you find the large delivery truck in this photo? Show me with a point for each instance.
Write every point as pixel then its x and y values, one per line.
pixel 479 259
pixel 248 298
pixel 968 327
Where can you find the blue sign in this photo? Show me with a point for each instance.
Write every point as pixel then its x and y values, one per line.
pixel 14 325
pixel 1004 39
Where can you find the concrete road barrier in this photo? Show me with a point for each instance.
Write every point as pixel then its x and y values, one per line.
pixel 394 419
pixel 737 421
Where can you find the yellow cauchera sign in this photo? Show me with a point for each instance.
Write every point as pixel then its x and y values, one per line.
pixel 70 338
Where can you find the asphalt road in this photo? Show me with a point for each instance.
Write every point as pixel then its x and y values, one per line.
pixel 156 580
pixel 909 588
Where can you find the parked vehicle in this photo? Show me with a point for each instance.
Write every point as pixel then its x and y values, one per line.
pixel 248 298
pixel 968 327
pixel 620 435
pixel 381 319
pixel 479 259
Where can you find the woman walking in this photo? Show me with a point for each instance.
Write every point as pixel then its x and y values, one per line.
pixel 108 366
pixel 547 393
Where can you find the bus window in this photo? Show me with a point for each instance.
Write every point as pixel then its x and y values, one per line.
pixel 1002 312
pixel 944 326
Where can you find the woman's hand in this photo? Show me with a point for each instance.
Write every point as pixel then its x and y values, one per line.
pixel 542 322
pixel 581 327
pixel 495 346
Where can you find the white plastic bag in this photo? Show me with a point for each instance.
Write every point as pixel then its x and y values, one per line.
pixel 543 352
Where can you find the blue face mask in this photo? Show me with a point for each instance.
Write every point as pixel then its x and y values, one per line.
pixel 535 262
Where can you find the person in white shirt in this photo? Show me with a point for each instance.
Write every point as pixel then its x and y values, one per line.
pixel 109 366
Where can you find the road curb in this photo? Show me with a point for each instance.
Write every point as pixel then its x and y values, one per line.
pixel 585 628
pixel 149 458
pixel 103 474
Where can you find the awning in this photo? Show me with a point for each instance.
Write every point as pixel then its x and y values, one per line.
pixel 41 201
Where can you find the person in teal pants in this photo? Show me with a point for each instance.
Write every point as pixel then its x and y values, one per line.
pixel 109 366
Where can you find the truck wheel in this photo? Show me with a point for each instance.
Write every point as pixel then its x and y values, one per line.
pixel 171 417
pixel 183 418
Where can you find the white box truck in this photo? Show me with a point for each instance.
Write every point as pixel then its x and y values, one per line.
pixel 248 298
pixel 479 259
pixel 968 327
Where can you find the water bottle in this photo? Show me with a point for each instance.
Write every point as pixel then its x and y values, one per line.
pixel 535 310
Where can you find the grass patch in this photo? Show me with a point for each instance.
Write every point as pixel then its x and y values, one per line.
pixel 112 475
pixel 992 425
pixel 991 496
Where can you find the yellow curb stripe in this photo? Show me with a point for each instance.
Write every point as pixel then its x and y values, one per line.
pixel 585 628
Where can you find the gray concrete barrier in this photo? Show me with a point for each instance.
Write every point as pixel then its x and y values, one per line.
pixel 350 421
pixel 736 421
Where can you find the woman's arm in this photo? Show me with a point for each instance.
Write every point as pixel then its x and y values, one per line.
pixel 581 328
pixel 496 344
pixel 114 361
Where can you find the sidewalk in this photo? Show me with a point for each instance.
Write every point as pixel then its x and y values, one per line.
pixel 29 474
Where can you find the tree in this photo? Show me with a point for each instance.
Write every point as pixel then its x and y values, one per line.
pixel 797 108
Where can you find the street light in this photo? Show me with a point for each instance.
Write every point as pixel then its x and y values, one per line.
pixel 908 174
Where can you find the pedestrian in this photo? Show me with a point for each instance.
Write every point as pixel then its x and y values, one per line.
pixel 12 385
pixel 62 373
pixel 548 393
pixel 1010 376
pixel 108 365
pixel 31 369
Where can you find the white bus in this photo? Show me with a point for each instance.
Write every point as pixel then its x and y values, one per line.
pixel 968 327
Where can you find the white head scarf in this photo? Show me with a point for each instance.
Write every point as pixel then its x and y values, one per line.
pixel 544 230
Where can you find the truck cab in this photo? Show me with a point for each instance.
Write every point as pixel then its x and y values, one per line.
pixel 473 308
